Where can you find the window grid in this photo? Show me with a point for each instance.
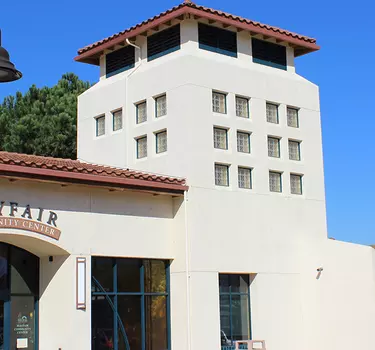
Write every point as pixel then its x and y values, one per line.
pixel 292 117
pixel 117 120
pixel 244 178
pixel 141 112
pixel 220 138
pixel 295 184
pixel 275 181
pixel 142 147
pixel 272 112
pixel 294 150
pixel 161 106
pixel 243 142
pixel 161 142
pixel 221 175
pixel 235 308
pixel 100 126
pixel 242 107
pixel 273 147
pixel 219 104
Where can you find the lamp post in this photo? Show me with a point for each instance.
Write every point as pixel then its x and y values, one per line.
pixel 8 71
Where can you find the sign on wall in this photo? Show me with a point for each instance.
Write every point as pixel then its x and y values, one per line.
pixel 37 220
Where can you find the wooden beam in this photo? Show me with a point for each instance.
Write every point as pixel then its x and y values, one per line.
pixel 211 21
pixel 197 17
pixel 168 23
pixel 239 30
pixel 180 17
pixel 144 33
pixel 226 25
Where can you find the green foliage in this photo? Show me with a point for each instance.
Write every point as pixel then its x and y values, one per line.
pixel 42 121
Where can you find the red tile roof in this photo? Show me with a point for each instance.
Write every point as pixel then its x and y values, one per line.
pixel 31 166
pixel 306 43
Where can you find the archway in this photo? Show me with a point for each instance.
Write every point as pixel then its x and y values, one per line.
pixel 19 295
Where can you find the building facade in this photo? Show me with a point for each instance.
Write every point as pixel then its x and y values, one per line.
pixel 130 260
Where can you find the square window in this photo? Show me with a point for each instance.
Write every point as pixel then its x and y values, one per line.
pixel 117 120
pixel 244 177
pixel 221 175
pixel 243 142
pixel 161 106
pixel 295 184
pixel 273 147
pixel 292 116
pixel 220 138
pixel 141 112
pixel 219 104
pixel 272 112
pixel 161 142
pixel 242 107
pixel 142 147
pixel 100 125
pixel 294 150
pixel 275 181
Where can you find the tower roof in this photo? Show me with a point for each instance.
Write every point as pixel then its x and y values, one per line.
pixel 302 44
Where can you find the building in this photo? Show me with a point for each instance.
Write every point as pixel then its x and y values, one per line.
pixel 232 245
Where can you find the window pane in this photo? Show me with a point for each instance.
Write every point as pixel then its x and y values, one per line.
pixel 141 112
pixel 224 283
pixel 240 317
pixel 100 126
pixel 163 43
pixel 101 323
pixel 3 268
pixel 117 120
pixel 292 115
pixel 120 60
pixel 244 178
pixel 129 310
pixel 275 182
pixel 269 54
pixel 128 275
pixel 156 323
pixel 221 175
pixel 225 329
pixel 218 102
pixel 243 142
pixel 220 138
pixel 273 147
pixel 155 276
pixel 102 271
pixel 294 150
pixel 161 106
pixel 272 113
pixel 295 184
pixel 242 107
pixel 161 142
pixel 239 283
pixel 142 147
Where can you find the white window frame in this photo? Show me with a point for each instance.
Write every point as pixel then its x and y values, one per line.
pixel 223 166
pixel 163 111
pixel 279 188
pixel 97 119
pixel 221 94
pixel 250 180
pixel 269 120
pixel 157 141
pixel 270 150
pixel 292 188
pixel 114 115
pixel 220 129
pixel 247 106
pixel 137 120
pixel 138 139
pixel 298 143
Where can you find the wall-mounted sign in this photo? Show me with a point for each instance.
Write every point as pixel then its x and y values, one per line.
pixel 29 219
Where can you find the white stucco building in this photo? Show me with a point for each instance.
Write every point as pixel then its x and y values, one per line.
pixel 231 245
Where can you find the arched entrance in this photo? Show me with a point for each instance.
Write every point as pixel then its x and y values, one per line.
pixel 19 294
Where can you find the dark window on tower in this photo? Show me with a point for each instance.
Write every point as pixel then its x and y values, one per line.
pixel 120 60
pixel 163 43
pixel 269 54
pixel 217 40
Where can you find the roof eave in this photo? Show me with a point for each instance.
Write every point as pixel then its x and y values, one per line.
pixel 29 173
pixel 91 55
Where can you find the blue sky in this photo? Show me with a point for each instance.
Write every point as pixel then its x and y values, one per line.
pixel 43 37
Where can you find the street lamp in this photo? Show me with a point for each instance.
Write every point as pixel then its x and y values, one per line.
pixel 8 71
